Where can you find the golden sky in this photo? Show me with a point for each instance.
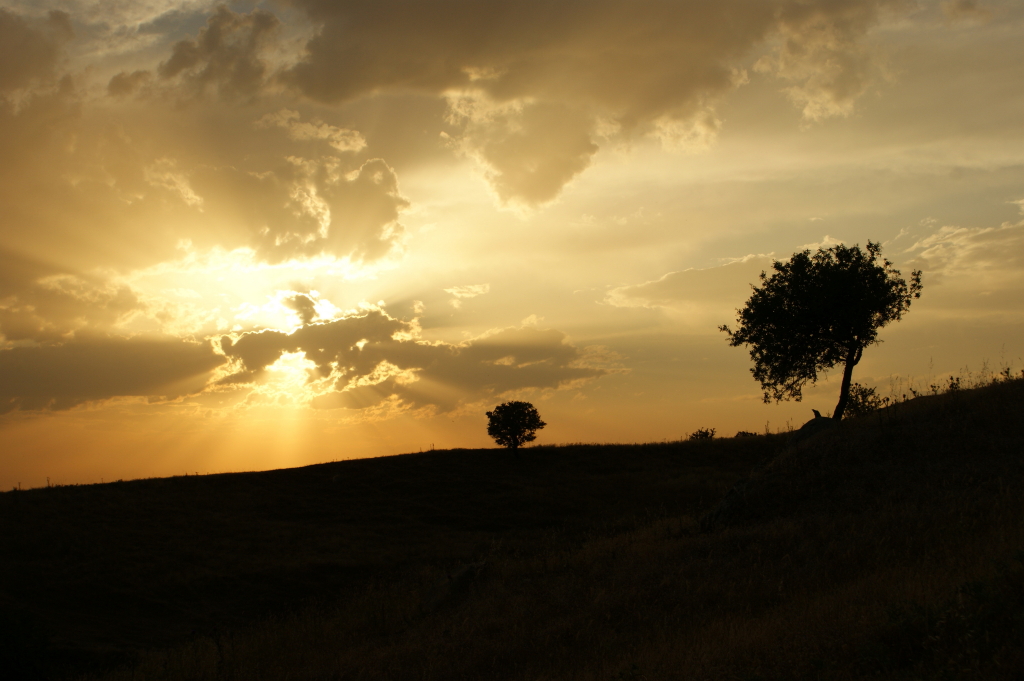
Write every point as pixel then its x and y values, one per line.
pixel 263 234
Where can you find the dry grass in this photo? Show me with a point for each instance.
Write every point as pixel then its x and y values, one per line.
pixel 890 548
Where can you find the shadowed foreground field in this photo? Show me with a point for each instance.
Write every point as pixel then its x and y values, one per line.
pixel 890 547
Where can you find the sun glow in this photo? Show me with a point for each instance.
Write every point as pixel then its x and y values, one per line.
pixel 291 380
pixel 217 291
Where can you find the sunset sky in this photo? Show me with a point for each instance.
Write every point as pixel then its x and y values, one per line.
pixel 265 234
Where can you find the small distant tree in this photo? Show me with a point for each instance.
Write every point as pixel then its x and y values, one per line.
pixel 817 311
pixel 513 424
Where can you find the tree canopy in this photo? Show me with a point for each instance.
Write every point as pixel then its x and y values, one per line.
pixel 513 424
pixel 817 311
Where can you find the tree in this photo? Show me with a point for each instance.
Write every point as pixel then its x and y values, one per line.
pixel 817 311
pixel 512 424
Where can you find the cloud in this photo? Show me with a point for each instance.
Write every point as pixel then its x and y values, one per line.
pixel 531 80
pixel 528 151
pixel 368 359
pixel 652 57
pixel 957 10
pixel 470 291
pixel 119 21
pixel 701 295
pixel 79 180
pixel 952 250
pixel 695 133
pixel 820 52
pixel 56 377
pixel 303 305
pixel 40 302
pixel 30 50
pixel 124 83
pixel 307 207
pixel 972 272
pixel 226 56
pixel 461 292
pixel 339 138
pixel 530 92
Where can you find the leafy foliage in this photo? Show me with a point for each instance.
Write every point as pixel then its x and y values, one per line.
pixel 817 311
pixel 863 400
pixel 703 434
pixel 513 424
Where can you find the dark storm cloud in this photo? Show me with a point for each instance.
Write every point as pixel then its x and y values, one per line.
pixel 372 357
pixel 55 377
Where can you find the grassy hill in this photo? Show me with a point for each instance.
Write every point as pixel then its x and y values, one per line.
pixel 890 547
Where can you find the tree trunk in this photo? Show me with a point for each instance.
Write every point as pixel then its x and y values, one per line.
pixel 852 357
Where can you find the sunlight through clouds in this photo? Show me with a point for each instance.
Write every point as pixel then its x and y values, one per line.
pixel 347 213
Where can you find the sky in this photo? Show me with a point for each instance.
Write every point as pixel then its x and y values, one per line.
pixel 254 235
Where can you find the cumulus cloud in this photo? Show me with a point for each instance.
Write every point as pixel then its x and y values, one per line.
pixel 531 88
pixel 308 207
pixel 78 184
pixel 364 360
pixel 61 376
pixel 528 151
pixel 820 52
pixel 226 56
pixel 531 79
pixel 651 57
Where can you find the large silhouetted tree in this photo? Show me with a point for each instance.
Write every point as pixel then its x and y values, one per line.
pixel 817 311
pixel 513 424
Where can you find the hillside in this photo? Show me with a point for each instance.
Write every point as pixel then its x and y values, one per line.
pixel 890 547
pixel 108 570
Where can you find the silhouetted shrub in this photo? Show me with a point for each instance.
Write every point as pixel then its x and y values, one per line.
pixel 702 434
pixel 863 400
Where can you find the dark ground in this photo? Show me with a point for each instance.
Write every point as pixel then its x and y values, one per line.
pixel 91 574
